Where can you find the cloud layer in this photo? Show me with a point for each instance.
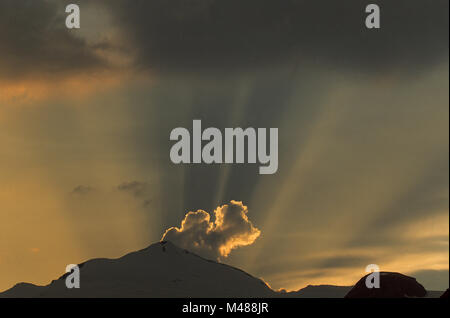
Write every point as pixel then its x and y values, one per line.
pixel 208 35
pixel 35 42
pixel 230 229
pixel 202 35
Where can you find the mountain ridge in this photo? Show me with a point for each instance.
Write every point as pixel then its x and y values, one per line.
pixel 160 270
pixel 164 270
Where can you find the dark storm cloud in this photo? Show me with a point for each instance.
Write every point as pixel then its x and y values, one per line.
pixel 199 35
pixel 35 41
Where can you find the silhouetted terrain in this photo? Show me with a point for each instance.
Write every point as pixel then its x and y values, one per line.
pixel 161 270
pixel 320 291
pixel 165 270
pixel 392 285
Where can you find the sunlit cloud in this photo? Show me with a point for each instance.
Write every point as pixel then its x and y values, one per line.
pixel 229 230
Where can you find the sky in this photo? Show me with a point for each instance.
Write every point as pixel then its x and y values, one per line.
pixel 362 115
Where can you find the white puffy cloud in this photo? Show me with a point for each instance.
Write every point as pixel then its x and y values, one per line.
pixel 216 238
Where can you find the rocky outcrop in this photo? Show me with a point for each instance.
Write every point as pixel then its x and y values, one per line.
pixel 392 285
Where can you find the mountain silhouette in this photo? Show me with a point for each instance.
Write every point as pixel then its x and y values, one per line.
pixel 160 270
pixel 320 291
pixel 164 270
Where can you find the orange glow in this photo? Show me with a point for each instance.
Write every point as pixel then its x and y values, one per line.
pixel 76 87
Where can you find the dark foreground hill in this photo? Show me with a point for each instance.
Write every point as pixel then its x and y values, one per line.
pixel 392 285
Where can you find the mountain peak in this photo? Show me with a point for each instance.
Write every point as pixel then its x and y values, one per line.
pixel 160 270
